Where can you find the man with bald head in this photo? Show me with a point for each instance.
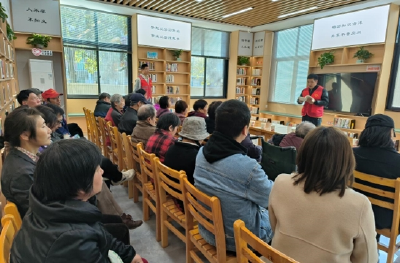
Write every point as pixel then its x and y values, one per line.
pixel 146 124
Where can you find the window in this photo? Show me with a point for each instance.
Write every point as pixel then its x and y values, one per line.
pixel 393 102
pixel 209 67
pixel 96 49
pixel 290 63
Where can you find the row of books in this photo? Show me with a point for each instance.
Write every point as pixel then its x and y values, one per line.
pixel 240 90
pixel 150 64
pixel 254 101
pixel 170 79
pixel 153 77
pixel 241 81
pixel 345 123
pixel 153 89
pixel 242 98
pixel 6 69
pixel 241 71
pixel 254 110
pixel 256 82
pixel 255 91
pixel 256 72
pixel 172 67
pixel 172 90
pixel 7 50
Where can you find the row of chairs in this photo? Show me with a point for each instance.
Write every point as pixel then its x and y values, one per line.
pixel 11 223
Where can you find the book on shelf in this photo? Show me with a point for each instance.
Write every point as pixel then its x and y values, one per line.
pixel 254 101
pixel 174 100
pixel 153 89
pixel 256 72
pixel 241 81
pixel 170 79
pixel 241 71
pixel 172 67
pixel 150 64
pixel 256 82
pixel 241 98
pixel 255 91
pixel 172 90
pixel 239 90
pixel 254 118
pixel 254 110
pixel 153 77
pixel 344 123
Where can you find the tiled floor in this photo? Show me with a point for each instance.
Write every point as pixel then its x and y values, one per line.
pixel 143 239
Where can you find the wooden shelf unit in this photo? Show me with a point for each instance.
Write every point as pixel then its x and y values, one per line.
pixel 173 77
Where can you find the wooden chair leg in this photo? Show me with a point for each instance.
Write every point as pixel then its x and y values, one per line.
pixel 189 247
pixel 146 208
pixel 158 222
pixel 126 184
pixel 164 228
pixel 392 250
pixel 135 191
pixel 130 189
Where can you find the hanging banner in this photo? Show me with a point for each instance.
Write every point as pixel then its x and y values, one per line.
pixel 258 46
pixel 245 47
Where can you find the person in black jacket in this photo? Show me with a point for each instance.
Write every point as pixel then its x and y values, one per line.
pixel 210 120
pixel 61 226
pixel 102 105
pixel 26 131
pixel 129 119
pixel 377 156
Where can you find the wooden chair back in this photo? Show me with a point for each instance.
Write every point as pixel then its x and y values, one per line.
pixel 104 135
pixel 87 119
pixel 6 237
pixel 94 130
pixel 170 185
pixel 11 209
pixel 244 238
pixel 207 211
pixel 115 145
pixel 146 164
pixel 127 158
pixel 138 181
pixel 395 206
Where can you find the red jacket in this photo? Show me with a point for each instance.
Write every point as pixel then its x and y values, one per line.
pixel 146 86
pixel 313 110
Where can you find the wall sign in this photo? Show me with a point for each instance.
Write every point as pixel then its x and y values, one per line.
pixel 258 47
pixel 39 16
pixel 245 47
pixel 159 32
pixel 36 51
pixel 356 28
pixel 374 68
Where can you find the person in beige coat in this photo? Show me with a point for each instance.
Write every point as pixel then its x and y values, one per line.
pixel 145 126
pixel 314 214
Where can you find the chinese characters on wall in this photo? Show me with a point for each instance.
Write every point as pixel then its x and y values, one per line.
pixel 245 47
pixel 347 29
pixel 258 49
pixel 36 20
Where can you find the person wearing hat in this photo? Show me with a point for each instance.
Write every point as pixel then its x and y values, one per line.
pixel 129 119
pixel 376 155
pixel 52 96
pixel 28 98
pixel 182 155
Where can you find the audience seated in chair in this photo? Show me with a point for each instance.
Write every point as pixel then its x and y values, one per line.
pixel 145 126
pixel 210 120
pixel 102 105
pixel 315 215
pixel 114 114
pixel 377 156
pixel 200 108
pixel 26 131
pixel 253 151
pixel 294 138
pixel 224 170
pixel 28 98
pixel 181 110
pixel 61 222
pixel 164 106
pixel 38 93
pixel 163 137
pixel 60 115
pixel 129 119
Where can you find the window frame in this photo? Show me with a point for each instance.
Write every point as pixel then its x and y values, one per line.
pixel 97 47
pixel 296 60
pixel 393 73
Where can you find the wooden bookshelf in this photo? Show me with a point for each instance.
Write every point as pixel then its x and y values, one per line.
pixel 170 77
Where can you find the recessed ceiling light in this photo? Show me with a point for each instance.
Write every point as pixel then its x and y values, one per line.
pixel 275 0
pixel 298 12
pixel 238 12
pixel 199 1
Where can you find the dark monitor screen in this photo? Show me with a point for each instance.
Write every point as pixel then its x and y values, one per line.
pixel 349 92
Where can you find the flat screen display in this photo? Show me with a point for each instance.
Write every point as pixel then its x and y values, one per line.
pixel 349 92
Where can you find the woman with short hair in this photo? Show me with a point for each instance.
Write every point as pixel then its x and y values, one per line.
pixel 114 114
pixel 164 106
pixel 62 226
pixel 181 110
pixel 315 215
pixel 200 108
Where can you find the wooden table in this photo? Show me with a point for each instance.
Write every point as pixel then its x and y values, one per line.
pixel 258 131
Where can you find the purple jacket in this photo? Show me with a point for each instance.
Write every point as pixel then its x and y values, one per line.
pixel 161 112
pixel 253 151
pixel 291 139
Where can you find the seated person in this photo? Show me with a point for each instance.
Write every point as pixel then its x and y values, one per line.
pixel 224 170
pixel 53 97
pixel 182 154
pixel 128 97
pixel 294 138
pixel 344 215
pixel 141 91
pixel 129 119
pixel 145 126
pixel 164 106
pixel 163 137
pixel 59 113
pixel 38 93
pixel 102 105
pixel 377 156
pixel 157 103
pixel 28 98
pixel 200 108
pixel 61 225
pixel 210 120
pixel 181 110
pixel 253 151
pixel 114 114
pixel 26 131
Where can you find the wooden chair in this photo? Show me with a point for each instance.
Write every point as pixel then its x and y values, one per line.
pixel 127 159
pixel 208 214
pixel 96 139
pixel 116 155
pixel 170 186
pixel 89 128
pixel 138 180
pixel 104 136
pixel 150 190
pixel 243 238
pixel 11 209
pixel 393 183
pixel 6 237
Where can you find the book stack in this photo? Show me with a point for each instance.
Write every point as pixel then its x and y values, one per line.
pixel 256 82
pixel 345 123
pixel 241 71
pixel 170 79
pixel 239 90
pixel 241 81
pixel 172 67
pixel 150 64
pixel 153 77
pixel 256 72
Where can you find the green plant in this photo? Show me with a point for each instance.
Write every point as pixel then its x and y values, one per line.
pixel 362 54
pixel 176 53
pixel 10 33
pixel 243 60
pixel 3 14
pixel 326 59
pixel 37 39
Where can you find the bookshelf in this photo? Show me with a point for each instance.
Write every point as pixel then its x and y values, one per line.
pixel 170 77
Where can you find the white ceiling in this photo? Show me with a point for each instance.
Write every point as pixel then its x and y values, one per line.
pixel 288 23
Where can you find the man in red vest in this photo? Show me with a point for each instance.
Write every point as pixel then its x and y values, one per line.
pixel 315 98
pixel 144 81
